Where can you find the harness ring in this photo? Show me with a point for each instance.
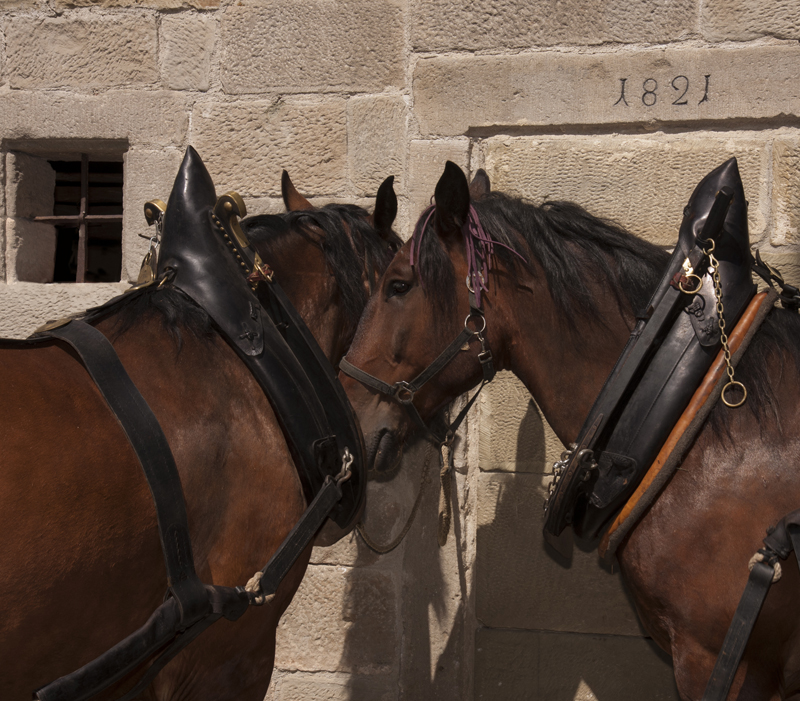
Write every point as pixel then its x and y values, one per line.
pixel 476 331
pixel 733 405
pixel 403 392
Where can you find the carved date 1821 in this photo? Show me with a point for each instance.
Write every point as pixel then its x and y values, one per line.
pixel 650 92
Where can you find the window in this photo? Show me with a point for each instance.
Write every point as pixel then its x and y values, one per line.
pixel 87 216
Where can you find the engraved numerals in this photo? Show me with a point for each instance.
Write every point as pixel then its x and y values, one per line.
pixel 676 92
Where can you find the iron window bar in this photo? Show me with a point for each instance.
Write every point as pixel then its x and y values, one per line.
pixel 81 220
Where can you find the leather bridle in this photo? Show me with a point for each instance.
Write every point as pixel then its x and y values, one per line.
pixel 404 391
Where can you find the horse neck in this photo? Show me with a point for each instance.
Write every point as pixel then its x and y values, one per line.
pixel 562 359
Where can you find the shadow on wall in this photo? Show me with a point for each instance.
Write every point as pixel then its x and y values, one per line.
pixel 431 585
pixel 551 630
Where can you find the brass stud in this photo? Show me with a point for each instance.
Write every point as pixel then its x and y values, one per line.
pixel 228 206
pixel 149 213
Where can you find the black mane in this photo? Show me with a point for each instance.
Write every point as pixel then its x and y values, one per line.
pixel 571 246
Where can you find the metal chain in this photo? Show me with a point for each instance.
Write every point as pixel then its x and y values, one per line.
pixel 714 264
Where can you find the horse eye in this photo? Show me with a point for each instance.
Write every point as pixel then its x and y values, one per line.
pixel 397 288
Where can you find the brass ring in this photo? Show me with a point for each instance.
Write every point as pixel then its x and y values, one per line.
pixel 741 401
pixel 713 246
pixel 696 289
pixel 476 331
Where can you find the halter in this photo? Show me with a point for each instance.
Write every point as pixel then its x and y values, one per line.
pixel 479 247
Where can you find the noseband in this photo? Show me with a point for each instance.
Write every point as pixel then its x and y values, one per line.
pixel 403 391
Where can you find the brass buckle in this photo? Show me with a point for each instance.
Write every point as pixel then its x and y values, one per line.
pixel 403 392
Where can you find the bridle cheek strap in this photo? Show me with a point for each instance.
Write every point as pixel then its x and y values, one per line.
pixel 403 392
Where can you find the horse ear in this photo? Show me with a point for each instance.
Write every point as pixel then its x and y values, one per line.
pixel 293 200
pixel 452 201
pixel 480 185
pixel 385 207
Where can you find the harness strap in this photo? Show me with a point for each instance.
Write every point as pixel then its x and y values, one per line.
pixel 741 627
pixel 152 450
pixel 781 540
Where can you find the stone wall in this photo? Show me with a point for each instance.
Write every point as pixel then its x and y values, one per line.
pixel 619 105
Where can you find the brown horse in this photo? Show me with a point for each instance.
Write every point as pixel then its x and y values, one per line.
pixel 559 321
pixel 81 564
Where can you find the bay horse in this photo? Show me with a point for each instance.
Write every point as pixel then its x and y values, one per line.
pixel 559 304
pixel 81 565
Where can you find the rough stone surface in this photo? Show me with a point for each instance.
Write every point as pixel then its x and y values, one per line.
pixel 514 437
pixel 186 43
pixel 786 191
pixel 85 51
pixel 437 584
pixel 26 306
pixel 330 687
pixel 642 183
pixel 62 118
pixel 426 165
pixel 749 19
pixel 246 145
pixel 30 251
pixel 30 186
pixel 341 620
pixel 153 4
pixel 441 25
pixel 521 583
pixel 455 94
pixel 149 175
pixel 376 141
pixel 316 46
pixel 18 5
pixel 517 665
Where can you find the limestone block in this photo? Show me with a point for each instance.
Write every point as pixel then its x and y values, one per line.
pixel 30 251
pixel 436 606
pixel 441 25
pixel 149 175
pixel 457 94
pixel 246 145
pixel 152 4
pixel 376 140
pixel 136 118
pixel 426 165
pixel 786 191
pixel 341 620
pixel 314 46
pixel 30 186
pixel 186 43
pixel 25 306
pixel 18 5
pixel 520 584
pixel 741 20
pixel 514 436
pixel 83 51
pixel 331 687
pixel 641 183
pixel 511 665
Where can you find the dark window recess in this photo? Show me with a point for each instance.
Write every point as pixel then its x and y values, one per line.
pixel 87 215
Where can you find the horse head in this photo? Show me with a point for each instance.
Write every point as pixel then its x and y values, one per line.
pixel 428 296
pixel 328 258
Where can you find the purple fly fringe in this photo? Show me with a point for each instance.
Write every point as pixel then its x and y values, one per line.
pixel 479 248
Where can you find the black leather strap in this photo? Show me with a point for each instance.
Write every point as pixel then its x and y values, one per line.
pixel 741 627
pixel 153 452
